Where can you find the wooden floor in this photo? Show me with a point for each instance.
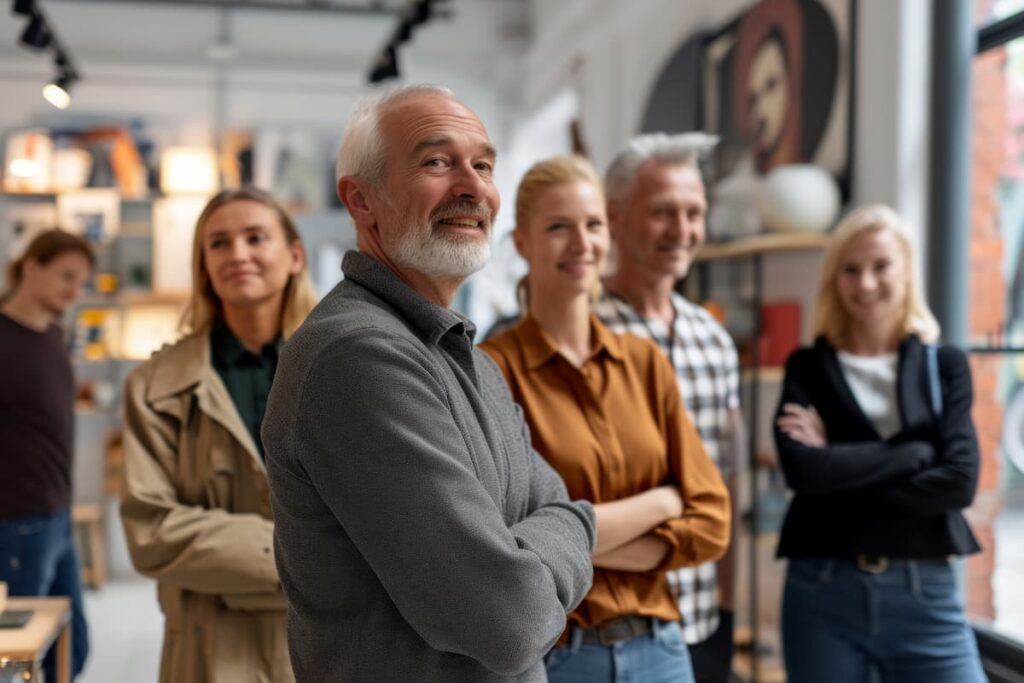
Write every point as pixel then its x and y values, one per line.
pixel 771 573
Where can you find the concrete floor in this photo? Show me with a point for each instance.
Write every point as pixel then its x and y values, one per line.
pixel 125 632
pixel 1008 581
pixel 127 627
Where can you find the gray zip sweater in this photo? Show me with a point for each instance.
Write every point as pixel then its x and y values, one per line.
pixel 417 534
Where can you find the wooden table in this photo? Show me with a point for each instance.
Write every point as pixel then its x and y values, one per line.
pixel 51 620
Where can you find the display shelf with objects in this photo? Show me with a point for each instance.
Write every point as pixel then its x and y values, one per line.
pixel 761 287
pixel 760 244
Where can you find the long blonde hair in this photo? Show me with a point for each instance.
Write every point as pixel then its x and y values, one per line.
pixel 830 318
pixel 545 174
pixel 205 306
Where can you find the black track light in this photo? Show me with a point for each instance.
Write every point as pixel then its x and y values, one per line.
pixel 404 31
pixel 58 91
pixel 37 34
pixel 421 12
pixel 416 12
pixel 386 66
pixel 26 8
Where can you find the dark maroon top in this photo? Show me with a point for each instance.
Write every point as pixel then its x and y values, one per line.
pixel 37 420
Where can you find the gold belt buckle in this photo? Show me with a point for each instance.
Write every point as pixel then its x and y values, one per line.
pixel 872 564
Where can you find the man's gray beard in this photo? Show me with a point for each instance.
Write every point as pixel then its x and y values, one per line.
pixel 437 255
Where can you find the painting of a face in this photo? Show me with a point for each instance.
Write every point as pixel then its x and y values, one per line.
pixel 768 95
pixel 775 85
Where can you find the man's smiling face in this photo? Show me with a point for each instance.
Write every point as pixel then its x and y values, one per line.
pixel 438 200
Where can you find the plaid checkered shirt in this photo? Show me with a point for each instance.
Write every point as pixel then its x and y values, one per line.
pixel 704 357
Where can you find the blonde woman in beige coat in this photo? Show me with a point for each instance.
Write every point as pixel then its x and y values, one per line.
pixel 196 505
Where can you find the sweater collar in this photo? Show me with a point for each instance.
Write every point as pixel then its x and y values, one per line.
pixel 432 321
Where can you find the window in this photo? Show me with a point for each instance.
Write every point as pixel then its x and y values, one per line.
pixel 995 589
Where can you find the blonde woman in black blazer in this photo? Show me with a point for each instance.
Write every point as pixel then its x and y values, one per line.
pixel 875 438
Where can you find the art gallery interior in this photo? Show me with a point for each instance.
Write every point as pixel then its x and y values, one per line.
pixel 162 103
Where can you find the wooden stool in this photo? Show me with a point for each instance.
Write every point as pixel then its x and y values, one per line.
pixel 94 564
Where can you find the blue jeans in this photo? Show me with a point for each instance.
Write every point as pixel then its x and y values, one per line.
pixel 843 625
pixel 37 558
pixel 660 657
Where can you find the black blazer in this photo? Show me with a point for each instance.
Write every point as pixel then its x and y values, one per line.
pixel 900 497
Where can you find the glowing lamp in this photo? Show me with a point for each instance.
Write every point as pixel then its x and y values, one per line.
pixel 188 170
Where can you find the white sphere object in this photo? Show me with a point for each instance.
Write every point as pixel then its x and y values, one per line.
pixel 798 198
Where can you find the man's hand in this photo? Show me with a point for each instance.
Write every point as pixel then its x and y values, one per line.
pixel 803 425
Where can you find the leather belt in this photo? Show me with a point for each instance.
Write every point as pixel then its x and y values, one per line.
pixel 878 564
pixel 872 564
pixel 616 630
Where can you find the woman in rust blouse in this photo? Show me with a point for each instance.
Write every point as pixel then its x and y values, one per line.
pixel 605 411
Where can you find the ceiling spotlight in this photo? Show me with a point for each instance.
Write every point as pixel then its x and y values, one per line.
pixel 421 11
pixel 58 92
pixel 386 66
pixel 37 34
pixel 23 7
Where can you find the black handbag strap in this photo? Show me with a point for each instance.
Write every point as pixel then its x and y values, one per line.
pixel 934 383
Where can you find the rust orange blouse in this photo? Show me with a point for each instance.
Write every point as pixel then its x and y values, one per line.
pixel 615 428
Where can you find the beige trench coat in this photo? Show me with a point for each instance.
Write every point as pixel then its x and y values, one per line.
pixel 196 513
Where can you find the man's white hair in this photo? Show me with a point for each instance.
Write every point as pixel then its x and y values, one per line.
pixel 362 149
pixel 678 149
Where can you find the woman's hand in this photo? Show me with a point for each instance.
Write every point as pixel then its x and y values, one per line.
pixel 803 425
pixel 671 500
pixel 625 520
pixel 642 554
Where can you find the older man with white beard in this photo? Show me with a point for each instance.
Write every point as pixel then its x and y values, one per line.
pixel 418 536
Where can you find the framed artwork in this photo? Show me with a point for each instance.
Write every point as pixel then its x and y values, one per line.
pixel 777 87
pixel 296 165
pixel 93 213
pixel 26 221
pixel 174 224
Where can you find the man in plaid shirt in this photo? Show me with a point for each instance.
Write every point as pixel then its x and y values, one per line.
pixel 656 211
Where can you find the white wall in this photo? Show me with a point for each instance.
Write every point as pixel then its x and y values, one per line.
pixel 611 53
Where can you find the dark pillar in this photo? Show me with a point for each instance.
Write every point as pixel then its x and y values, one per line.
pixel 953 47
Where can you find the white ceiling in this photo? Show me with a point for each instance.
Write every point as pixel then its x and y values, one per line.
pixel 476 34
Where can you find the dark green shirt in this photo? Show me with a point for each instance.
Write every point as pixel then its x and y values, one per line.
pixel 246 375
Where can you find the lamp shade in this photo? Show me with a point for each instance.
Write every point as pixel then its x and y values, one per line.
pixel 188 171
pixel 56 93
pixel 29 161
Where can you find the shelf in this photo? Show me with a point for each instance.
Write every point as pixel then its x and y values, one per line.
pixel 765 374
pixel 132 298
pixel 95 412
pixel 55 194
pixel 129 298
pixel 760 244
pixel 108 361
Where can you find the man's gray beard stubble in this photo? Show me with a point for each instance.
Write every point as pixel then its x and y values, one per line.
pixel 438 255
